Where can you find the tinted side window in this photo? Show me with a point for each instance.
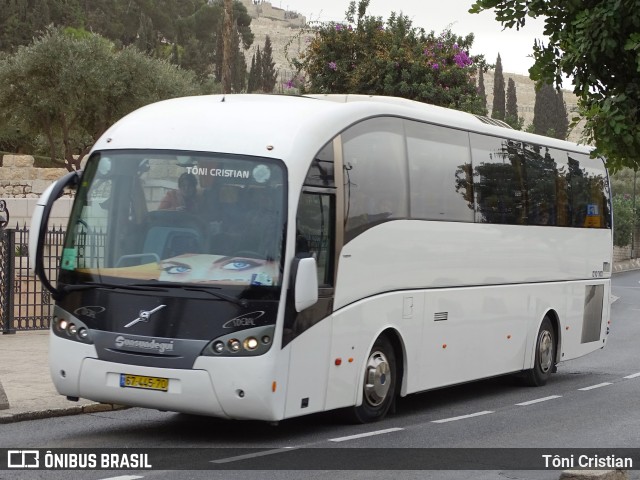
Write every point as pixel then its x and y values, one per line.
pixel 499 180
pixel 540 169
pixel 588 191
pixel 375 174
pixel 439 167
pixel 320 173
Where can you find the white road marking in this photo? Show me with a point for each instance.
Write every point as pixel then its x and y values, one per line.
pixel 124 477
pixel 254 455
pixel 594 386
pixel 362 435
pixel 462 417
pixel 538 400
pixel 633 375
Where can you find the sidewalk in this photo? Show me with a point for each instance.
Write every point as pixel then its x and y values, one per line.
pixel 25 383
pixel 26 389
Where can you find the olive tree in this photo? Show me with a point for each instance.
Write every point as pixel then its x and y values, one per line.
pixel 68 86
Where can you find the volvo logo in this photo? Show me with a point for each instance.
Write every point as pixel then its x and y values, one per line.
pixel 144 316
pixel 246 320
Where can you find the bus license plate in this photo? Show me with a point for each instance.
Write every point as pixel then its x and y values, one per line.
pixel 147 383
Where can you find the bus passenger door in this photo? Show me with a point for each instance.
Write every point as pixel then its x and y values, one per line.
pixel 308 333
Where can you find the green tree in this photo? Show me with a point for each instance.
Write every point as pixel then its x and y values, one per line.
pixel 624 220
pixel 68 87
pixel 597 44
pixel 482 93
pixel 511 111
pixel 550 113
pixel 366 55
pixel 544 111
pixel 269 74
pixel 498 111
pixel 561 118
pixel 255 74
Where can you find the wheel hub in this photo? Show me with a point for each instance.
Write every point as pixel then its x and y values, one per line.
pixel 377 379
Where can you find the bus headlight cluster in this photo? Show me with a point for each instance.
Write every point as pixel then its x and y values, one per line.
pixel 249 342
pixel 71 329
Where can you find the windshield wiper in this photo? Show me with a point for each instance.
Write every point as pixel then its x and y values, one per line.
pixel 209 290
pixel 92 285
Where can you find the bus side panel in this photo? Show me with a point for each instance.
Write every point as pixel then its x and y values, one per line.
pixel 355 330
pixel 472 333
pixel 584 327
pixel 412 254
pixel 308 369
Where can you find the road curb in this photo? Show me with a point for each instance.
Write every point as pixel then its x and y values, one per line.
pixel 594 475
pixel 4 401
pixel 59 412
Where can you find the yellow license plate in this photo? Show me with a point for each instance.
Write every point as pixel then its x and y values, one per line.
pixel 147 383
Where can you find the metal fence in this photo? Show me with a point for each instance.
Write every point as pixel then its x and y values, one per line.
pixel 24 303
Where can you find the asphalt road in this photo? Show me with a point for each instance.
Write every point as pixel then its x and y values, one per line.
pixel 592 402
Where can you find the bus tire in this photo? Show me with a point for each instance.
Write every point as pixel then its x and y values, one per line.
pixel 544 363
pixel 379 385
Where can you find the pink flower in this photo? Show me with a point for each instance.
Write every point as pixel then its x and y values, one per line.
pixel 333 66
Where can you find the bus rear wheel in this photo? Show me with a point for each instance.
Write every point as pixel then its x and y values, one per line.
pixel 379 386
pixel 545 356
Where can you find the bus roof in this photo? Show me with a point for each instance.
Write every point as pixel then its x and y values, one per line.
pixel 277 125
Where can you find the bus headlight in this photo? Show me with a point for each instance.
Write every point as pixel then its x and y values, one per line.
pixel 250 343
pixel 70 328
pixel 242 343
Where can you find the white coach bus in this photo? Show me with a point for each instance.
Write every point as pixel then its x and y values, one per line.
pixel 265 257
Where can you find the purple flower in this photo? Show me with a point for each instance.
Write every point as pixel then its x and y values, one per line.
pixel 339 27
pixel 462 59
pixel 333 66
pixel 350 28
pixel 289 84
pixel 435 66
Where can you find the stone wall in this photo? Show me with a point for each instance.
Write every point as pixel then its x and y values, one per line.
pixel 21 184
pixel 263 9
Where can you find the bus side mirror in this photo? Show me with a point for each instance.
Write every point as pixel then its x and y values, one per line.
pixel 305 290
pixel 40 221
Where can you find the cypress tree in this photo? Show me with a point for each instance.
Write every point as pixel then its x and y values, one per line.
pixel 482 92
pixel 269 73
pixel 251 82
pixel 561 118
pixel 498 92
pixel 511 113
pixel 545 111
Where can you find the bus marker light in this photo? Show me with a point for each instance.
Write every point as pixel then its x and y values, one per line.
pixel 266 339
pixel 83 333
pixel 567 327
pixel 218 347
pixel 508 337
pixel 274 385
pixel 338 361
pixel 351 360
pixel 234 345
pixel 63 324
pixel 72 329
pixel 444 345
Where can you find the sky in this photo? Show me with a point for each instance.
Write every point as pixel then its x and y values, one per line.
pixel 490 39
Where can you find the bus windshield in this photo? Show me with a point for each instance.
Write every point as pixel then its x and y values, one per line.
pixel 179 217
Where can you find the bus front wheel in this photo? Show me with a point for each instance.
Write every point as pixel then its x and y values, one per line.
pixel 545 356
pixel 379 386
